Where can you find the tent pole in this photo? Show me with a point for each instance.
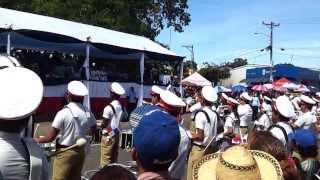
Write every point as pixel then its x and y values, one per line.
pixel 141 79
pixel 181 77
pixel 8 43
pixel 86 65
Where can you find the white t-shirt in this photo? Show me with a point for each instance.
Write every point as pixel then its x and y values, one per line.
pixel 263 121
pixel 177 167
pixel 229 122
pixel 276 132
pixel 245 114
pixel 115 118
pixel 209 128
pixel 73 121
pixel 306 120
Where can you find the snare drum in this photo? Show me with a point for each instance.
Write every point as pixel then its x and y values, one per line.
pixel 126 139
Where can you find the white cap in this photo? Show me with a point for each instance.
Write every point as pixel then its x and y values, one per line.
pixel 21 92
pixel 318 94
pixel 285 107
pixel 224 96
pixel 209 93
pixel 77 88
pixel 267 98
pixel 246 96
pixel 117 88
pixel 171 99
pixel 8 61
pixel 233 101
pixel 307 99
pixel 156 89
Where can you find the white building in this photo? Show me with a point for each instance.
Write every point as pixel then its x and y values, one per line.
pixel 239 74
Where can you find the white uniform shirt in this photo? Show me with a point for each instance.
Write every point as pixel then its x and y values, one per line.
pixel 177 167
pixel 115 118
pixel 13 157
pixel 264 121
pixel 209 128
pixel 306 120
pixel 73 121
pixel 245 114
pixel 276 132
pixel 229 122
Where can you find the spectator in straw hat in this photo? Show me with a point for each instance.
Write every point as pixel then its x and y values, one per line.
pixel 71 123
pixel 20 93
pixel 306 120
pixel 111 120
pixel 155 145
pixel 237 163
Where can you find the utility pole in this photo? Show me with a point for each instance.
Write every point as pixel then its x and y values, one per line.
pixel 190 48
pixel 271 25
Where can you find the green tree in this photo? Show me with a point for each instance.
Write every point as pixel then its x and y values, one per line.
pixel 214 73
pixel 141 17
pixel 237 62
pixel 189 65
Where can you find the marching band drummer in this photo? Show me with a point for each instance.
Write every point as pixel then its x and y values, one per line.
pixel 71 123
pixel 20 93
pixel 306 120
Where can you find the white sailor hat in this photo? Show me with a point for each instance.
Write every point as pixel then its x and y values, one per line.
pixel 117 88
pixel 246 96
pixel 231 100
pixel 21 93
pixel 209 93
pixel 8 61
pixel 224 96
pixel 171 99
pixel 156 89
pixel 77 88
pixel 307 99
pixel 284 107
pixel 318 94
pixel 267 98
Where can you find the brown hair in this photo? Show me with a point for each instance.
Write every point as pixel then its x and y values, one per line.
pixel 113 172
pixel 265 141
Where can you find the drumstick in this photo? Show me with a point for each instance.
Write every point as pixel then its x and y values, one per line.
pixel 36 130
pixel 80 142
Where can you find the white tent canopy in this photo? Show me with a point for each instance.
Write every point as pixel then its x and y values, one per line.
pixel 196 79
pixel 16 20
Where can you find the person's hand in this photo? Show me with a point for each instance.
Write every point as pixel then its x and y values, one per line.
pixel 36 139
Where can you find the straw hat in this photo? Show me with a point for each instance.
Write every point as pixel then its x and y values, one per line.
pixel 237 163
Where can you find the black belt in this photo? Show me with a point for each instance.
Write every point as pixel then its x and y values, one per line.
pixel 61 146
pixel 201 146
pixel 244 126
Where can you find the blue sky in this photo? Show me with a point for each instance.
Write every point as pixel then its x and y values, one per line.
pixel 221 30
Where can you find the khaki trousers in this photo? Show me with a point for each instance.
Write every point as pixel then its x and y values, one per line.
pixel 195 154
pixel 109 149
pixel 68 165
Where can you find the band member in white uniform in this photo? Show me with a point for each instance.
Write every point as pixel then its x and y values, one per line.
pixel 111 131
pixel 264 121
pixel 307 119
pixel 230 117
pixel 21 93
pixel 71 123
pixel 245 112
pixel 155 94
pixel 282 112
pixel 205 126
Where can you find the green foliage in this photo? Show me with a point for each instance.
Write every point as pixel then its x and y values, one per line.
pixel 141 17
pixel 214 72
pixel 187 65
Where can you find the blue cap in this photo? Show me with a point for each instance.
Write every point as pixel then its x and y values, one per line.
pixel 304 137
pixel 156 139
